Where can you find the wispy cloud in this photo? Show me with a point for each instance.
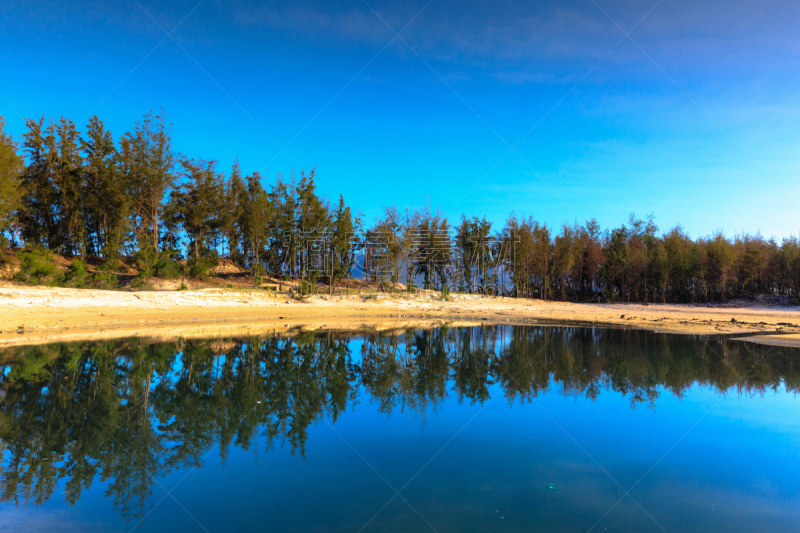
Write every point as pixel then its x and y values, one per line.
pixel 496 35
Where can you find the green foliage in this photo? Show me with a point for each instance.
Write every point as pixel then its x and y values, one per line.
pixel 53 184
pixel 157 264
pixel 196 206
pixel 104 280
pixel 146 259
pixel 411 285
pixel 76 275
pixel 445 291
pixel 432 253
pixel 306 288
pixel 83 194
pixel 74 404
pixel 474 255
pixel 257 277
pixel 254 224
pixel 199 267
pixel 107 204
pixel 111 263
pixel 311 222
pixel 147 161
pixel 385 286
pixel 167 266
pixel 183 287
pixel 341 256
pixel 11 167
pixel 36 266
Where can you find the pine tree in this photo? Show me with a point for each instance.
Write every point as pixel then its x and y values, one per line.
pixel 433 255
pixel 197 204
pixel 148 164
pixel 311 225
pixel 341 250
pixel 11 166
pixel 37 213
pixel 255 223
pixel 107 206
pixel 232 211
pixel 68 178
pixel 282 239
pixel 473 253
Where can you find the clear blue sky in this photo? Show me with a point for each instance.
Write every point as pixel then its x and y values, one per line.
pixel 693 117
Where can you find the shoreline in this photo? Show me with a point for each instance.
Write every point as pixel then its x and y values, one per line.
pixel 43 315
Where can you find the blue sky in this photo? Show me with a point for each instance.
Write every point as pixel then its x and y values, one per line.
pixel 692 116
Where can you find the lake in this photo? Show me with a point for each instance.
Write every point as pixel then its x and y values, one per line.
pixel 493 428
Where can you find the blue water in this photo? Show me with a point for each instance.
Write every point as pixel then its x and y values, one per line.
pixel 634 431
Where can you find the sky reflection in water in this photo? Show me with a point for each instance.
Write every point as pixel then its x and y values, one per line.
pixel 315 433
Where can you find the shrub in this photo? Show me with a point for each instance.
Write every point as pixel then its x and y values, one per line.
pixel 105 280
pixel 167 267
pixel 411 286
pixel 445 291
pixel 385 286
pixel 161 264
pixel 111 263
pixel 306 287
pixel 36 266
pixel 146 259
pixel 200 267
pixel 257 277
pixel 76 275
pixel 140 282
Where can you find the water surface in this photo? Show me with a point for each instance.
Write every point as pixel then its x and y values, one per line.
pixel 500 428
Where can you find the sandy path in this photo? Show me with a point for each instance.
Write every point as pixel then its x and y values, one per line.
pixel 30 315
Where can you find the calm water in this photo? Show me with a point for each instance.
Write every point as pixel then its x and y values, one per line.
pixel 473 429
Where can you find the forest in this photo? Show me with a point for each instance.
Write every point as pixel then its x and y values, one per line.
pixel 85 194
pixel 68 408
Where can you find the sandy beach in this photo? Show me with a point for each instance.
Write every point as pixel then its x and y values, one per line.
pixel 35 315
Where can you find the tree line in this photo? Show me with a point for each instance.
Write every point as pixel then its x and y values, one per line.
pixel 128 412
pixel 84 194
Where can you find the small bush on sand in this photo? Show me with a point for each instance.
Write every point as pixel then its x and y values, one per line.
pixel 200 267
pixel 167 266
pixel 258 278
pixel 104 280
pixel 411 286
pixel 146 259
pixel 306 288
pixel 445 291
pixel 152 263
pixel 36 267
pixel 76 275
pixel 385 286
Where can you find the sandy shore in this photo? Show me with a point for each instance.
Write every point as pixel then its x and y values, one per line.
pixel 33 315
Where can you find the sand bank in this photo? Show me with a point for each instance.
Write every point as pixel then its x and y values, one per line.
pixel 33 315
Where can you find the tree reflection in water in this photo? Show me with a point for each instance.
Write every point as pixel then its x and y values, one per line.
pixel 127 412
